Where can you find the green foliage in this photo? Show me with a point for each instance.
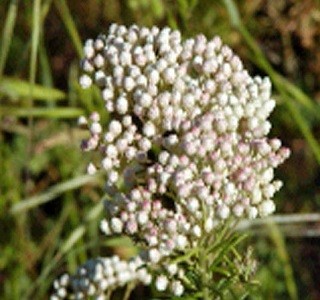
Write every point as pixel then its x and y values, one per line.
pixel 44 196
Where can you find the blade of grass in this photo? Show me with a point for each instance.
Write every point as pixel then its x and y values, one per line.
pixel 45 9
pixel 46 112
pixel 72 239
pixel 53 192
pixel 303 126
pixel 7 33
pixel 46 74
pixel 36 26
pixel 49 244
pixel 282 252
pixel 17 88
pixel 36 23
pixel 280 219
pixel 68 21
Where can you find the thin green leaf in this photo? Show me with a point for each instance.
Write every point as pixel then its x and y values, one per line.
pixel 282 252
pixel 72 239
pixel 67 19
pixel 46 112
pixel 225 247
pixel 221 271
pixel 46 74
pixel 17 88
pixel 36 28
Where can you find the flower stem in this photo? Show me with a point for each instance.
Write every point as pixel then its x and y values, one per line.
pixel 128 291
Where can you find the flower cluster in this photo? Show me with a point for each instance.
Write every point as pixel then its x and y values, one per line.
pixel 97 276
pixel 186 138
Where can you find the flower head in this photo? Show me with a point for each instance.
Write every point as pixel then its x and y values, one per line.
pixel 187 133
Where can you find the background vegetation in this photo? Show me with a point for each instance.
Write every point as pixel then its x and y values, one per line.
pixel 49 210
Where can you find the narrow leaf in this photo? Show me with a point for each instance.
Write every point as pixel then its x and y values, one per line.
pixel 46 112
pixel 17 88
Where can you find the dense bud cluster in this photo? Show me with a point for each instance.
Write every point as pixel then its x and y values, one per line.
pixel 97 276
pixel 187 135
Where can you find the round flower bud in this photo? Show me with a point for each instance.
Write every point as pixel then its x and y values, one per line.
pixel 161 283
pixel 154 255
pixel 91 169
pixel 116 225
pixel 223 211
pixel 85 81
pixel 177 288
pixel 266 208
pixel 122 105
pixel 105 228
pixel 149 129
pixel 107 163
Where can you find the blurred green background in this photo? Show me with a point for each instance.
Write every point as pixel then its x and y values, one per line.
pixel 50 210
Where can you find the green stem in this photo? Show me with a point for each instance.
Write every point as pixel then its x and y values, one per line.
pixel 204 275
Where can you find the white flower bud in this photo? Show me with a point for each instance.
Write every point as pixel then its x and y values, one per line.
pixel 161 283
pixel 252 212
pixel 115 127
pixel 267 175
pixel 193 204
pixel 116 225
pixel 88 49
pixel 149 129
pixel 238 210
pixel 145 144
pixel 113 176
pixel 142 217
pixel 85 81
pixel 188 101
pixel 145 100
pixel 107 163
pixel 154 77
pixel 266 208
pixel 169 75
pixel 95 128
pixel 91 169
pixel 154 255
pixel 105 228
pixel 181 242
pixel 99 61
pixel 82 121
pixel 131 153
pixel 128 84
pixel 177 288
pixel 196 230
pixel 172 269
pixel 122 105
pixel 208 225
pixel 223 211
